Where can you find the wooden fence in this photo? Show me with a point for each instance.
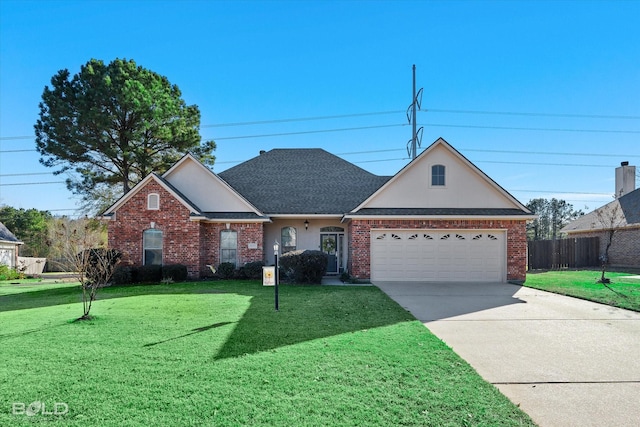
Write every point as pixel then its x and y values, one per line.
pixel 564 253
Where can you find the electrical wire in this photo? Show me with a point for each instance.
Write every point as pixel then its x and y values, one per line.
pixel 512 113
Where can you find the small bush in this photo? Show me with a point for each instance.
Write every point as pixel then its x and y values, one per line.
pixel 226 270
pixel 304 266
pixel 175 272
pixel 7 273
pixel 252 270
pixel 149 274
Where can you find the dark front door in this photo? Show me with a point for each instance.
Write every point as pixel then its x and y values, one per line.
pixel 329 245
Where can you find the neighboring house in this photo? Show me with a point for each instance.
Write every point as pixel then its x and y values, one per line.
pixel 9 245
pixel 439 218
pixel 622 216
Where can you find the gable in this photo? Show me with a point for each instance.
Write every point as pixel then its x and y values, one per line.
pixel 108 214
pixel 204 188
pixel 465 186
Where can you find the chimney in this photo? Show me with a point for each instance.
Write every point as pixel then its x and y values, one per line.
pixel 625 179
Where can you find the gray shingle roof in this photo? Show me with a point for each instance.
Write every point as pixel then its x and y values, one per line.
pixel 6 235
pixel 627 208
pixel 302 181
pixel 441 212
pixel 231 215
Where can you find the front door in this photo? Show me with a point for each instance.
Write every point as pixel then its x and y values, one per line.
pixel 329 245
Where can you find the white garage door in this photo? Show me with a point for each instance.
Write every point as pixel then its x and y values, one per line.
pixel 438 255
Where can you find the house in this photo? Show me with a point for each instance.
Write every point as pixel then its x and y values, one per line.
pixel 9 245
pixel 439 218
pixel 622 216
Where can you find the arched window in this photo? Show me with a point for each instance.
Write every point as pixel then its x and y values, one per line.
pixel 288 239
pixel 437 175
pixel 229 246
pixel 152 247
pixel 153 202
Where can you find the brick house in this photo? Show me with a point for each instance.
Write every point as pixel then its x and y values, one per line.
pixel 439 218
pixel 621 216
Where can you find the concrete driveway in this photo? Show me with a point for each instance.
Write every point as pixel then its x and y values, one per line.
pixel 565 361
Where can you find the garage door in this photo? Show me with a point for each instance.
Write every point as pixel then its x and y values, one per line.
pixel 438 255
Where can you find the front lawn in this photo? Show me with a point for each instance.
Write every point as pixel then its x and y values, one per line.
pixel 624 292
pixel 216 353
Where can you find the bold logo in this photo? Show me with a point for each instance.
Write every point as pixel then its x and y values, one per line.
pixel 39 408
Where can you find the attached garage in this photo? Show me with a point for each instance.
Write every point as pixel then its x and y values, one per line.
pixel 438 255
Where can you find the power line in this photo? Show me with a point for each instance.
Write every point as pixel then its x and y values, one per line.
pixel 543 164
pixel 33 183
pixel 307 132
pixel 425 110
pixel 531 129
pixel 25 174
pixel 512 113
pixel 548 153
pixel 301 119
pixel 561 192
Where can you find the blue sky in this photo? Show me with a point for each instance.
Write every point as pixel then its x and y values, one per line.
pixel 574 65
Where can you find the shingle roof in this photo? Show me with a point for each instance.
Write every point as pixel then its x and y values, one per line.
pixel 442 212
pixel 626 208
pixel 231 215
pixel 6 235
pixel 302 181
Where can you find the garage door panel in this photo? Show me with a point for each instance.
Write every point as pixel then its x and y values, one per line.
pixel 443 255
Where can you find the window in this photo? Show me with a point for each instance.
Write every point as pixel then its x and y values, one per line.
pixel 288 239
pixel 153 202
pixel 152 247
pixel 229 246
pixel 437 175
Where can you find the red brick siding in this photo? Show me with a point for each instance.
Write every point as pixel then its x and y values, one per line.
pixel 359 241
pixel 210 243
pixel 625 246
pixel 192 243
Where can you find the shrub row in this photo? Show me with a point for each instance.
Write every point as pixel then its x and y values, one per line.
pixel 251 271
pixel 7 273
pixel 149 274
pixel 303 266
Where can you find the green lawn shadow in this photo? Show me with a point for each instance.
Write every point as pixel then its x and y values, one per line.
pixel 308 313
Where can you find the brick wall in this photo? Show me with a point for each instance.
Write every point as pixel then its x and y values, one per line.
pixel 247 233
pixel 359 241
pixel 192 243
pixel 625 246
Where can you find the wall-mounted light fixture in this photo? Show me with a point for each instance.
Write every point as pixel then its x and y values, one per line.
pixel 306 224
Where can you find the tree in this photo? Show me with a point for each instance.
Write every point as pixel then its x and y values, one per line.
pixel 611 218
pixel 30 226
pixel 552 216
pixel 111 125
pixel 83 251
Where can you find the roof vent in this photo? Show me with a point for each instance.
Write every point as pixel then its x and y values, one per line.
pixel 624 163
pixel 262 152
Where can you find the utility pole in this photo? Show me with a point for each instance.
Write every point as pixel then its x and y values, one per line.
pixel 412 111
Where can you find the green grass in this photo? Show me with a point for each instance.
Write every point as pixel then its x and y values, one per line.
pixel 216 353
pixel 624 292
